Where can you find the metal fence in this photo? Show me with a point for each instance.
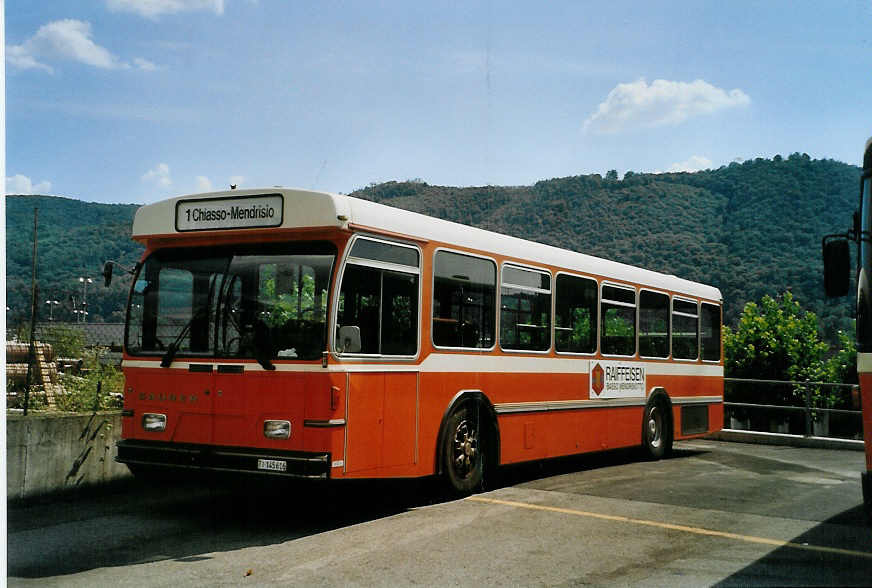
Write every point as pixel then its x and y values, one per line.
pixel 68 339
pixel 811 409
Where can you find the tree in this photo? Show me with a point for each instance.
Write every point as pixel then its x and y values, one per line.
pixel 842 366
pixel 612 175
pixel 775 340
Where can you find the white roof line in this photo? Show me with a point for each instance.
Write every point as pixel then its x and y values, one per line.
pixel 308 208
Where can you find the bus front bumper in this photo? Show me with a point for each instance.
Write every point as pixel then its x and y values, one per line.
pixel 292 464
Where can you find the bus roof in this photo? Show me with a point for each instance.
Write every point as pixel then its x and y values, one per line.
pixel 296 208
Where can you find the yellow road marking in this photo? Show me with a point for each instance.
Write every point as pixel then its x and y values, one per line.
pixel 674 527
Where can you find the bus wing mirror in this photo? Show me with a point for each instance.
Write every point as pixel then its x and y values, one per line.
pixel 837 265
pixel 349 339
pixel 107 273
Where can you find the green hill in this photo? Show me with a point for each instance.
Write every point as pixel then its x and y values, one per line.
pixel 751 229
pixel 75 238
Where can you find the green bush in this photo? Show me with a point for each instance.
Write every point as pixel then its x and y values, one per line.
pixel 65 341
pixel 36 400
pixel 82 393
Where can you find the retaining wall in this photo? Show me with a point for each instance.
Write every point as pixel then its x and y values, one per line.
pixel 48 453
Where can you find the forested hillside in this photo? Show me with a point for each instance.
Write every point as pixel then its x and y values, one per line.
pixel 751 229
pixel 75 238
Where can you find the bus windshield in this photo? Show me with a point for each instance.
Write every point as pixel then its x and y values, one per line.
pixel 268 301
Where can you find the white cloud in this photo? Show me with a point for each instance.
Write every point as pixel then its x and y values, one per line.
pixel 155 8
pixel 18 56
pixel 68 39
pixel 694 164
pixel 639 105
pixel 203 184
pixel 159 176
pixel 19 184
pixel 144 64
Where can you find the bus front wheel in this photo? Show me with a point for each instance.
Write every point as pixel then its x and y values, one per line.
pixel 462 450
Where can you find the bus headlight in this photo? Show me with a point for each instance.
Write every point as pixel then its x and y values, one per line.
pixel 277 429
pixel 153 422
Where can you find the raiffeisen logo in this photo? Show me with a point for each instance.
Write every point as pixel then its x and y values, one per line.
pixel 597 376
pixel 615 379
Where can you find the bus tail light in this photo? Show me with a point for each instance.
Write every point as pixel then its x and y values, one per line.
pixel 153 422
pixel 277 429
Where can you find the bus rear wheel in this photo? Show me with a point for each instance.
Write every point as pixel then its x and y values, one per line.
pixel 462 450
pixel 656 430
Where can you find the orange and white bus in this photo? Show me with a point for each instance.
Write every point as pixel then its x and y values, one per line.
pixel 299 333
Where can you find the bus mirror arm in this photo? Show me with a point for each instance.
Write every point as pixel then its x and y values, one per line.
pixel 107 270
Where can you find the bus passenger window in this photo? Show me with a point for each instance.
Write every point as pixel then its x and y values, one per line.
pixel 618 321
pixel 525 309
pixel 464 301
pixel 379 295
pixel 684 329
pixel 653 324
pixel 710 332
pixel 575 314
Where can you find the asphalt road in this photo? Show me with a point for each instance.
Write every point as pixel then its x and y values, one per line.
pixel 715 513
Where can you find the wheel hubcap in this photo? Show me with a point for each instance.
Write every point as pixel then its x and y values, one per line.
pixel 654 427
pixel 465 449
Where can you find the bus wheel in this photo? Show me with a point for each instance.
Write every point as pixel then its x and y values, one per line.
pixel 656 430
pixel 462 451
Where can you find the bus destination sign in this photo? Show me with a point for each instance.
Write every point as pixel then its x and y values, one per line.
pixel 245 212
pixel 613 379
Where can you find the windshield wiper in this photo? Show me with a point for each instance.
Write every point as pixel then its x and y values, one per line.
pixel 263 359
pixel 174 346
pixel 263 348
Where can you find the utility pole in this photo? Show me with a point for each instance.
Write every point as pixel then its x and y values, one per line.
pixel 31 355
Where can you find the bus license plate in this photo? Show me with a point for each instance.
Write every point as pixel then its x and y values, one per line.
pixel 274 465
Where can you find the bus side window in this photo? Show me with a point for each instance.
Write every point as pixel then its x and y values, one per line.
pixel 525 309
pixel 464 301
pixel 379 295
pixel 653 324
pixel 710 332
pixel 618 316
pixel 685 329
pixel 575 314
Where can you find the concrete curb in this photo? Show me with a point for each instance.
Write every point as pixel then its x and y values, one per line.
pixel 762 438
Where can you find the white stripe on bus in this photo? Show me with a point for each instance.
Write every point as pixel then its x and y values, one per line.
pixel 462 363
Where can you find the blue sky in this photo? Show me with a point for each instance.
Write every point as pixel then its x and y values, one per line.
pixel 133 101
